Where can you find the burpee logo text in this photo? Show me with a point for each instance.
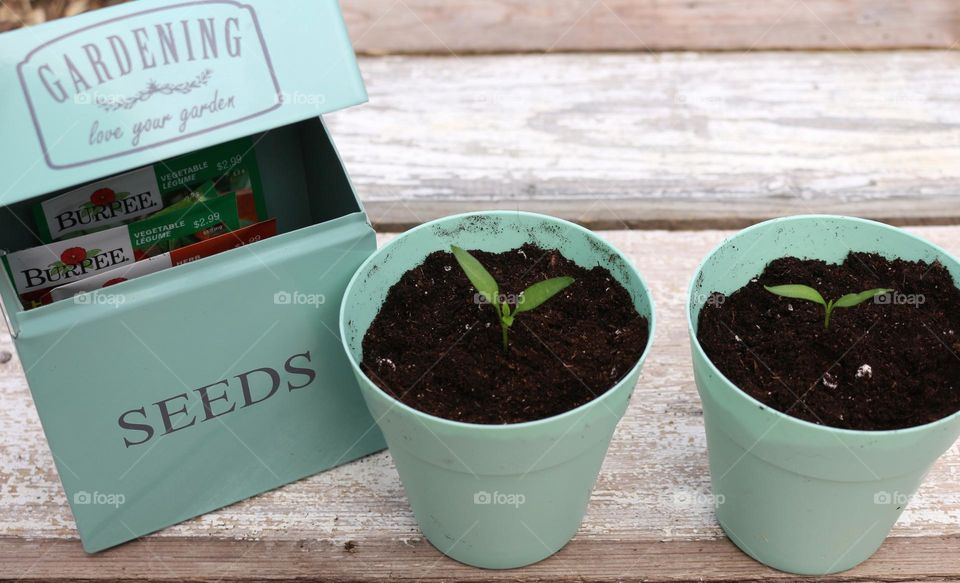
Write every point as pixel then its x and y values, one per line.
pixel 74 263
pixel 105 205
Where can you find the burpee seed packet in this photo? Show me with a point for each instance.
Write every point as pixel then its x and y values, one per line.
pixel 37 270
pixel 124 198
pixel 106 203
pixel 190 253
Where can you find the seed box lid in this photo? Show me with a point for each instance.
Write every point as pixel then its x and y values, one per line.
pixel 122 87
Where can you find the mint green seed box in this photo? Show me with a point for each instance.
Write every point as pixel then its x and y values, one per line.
pixel 191 388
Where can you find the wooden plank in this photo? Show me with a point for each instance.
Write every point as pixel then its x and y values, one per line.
pixel 667 141
pixel 470 26
pixel 594 560
pixel 641 523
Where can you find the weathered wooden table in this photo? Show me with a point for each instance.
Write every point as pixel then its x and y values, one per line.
pixel 639 140
pixel 649 518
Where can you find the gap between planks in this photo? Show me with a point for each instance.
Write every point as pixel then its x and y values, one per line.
pixel 677 215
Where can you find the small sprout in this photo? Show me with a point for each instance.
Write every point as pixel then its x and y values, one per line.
pixel 529 299
pixel 803 292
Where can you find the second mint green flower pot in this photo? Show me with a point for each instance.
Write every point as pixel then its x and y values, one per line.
pixel 493 496
pixel 794 495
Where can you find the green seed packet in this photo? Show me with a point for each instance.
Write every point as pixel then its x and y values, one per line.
pixel 204 193
pixel 171 230
pixel 131 196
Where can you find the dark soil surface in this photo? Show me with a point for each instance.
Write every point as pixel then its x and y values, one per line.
pixel 889 363
pixel 435 348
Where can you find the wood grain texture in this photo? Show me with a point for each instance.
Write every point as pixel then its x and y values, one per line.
pixel 643 521
pixel 594 560
pixel 668 141
pixel 465 26
pixel 472 26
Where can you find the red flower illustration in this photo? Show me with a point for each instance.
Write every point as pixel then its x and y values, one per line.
pixel 115 281
pixel 103 196
pixel 73 256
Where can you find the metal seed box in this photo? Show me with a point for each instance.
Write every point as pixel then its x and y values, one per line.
pixel 194 387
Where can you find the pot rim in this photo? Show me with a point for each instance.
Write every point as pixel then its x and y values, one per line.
pixel 731 386
pixel 559 418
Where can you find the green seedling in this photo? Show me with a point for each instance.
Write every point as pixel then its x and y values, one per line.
pixel 531 297
pixel 803 292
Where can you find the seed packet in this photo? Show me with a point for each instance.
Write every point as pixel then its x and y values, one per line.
pixel 158 234
pixel 218 244
pixel 36 270
pixel 128 197
pixel 229 167
pixel 225 242
pixel 203 193
pixel 103 204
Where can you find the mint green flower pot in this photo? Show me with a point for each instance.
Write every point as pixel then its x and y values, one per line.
pixel 493 496
pixel 794 495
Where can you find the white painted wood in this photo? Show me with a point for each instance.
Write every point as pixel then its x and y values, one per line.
pixel 664 141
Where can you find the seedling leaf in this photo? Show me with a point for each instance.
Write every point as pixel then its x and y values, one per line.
pixel 531 297
pixel 796 291
pixel 850 300
pixel 477 274
pixel 803 292
pixel 540 292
